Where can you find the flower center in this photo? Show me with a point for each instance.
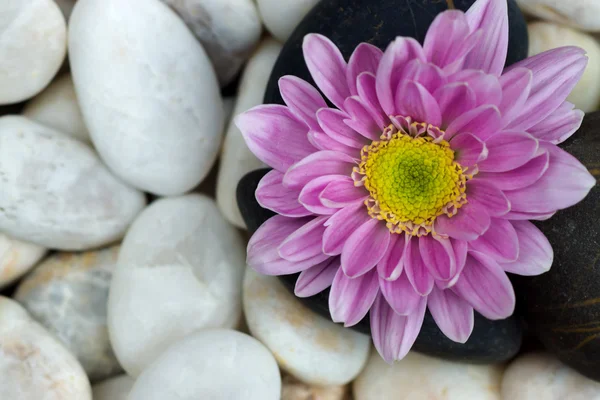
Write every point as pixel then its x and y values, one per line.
pixel 411 179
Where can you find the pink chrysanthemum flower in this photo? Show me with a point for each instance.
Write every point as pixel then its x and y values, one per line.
pixel 415 191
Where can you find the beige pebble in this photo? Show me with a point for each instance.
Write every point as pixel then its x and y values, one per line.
pixel 580 14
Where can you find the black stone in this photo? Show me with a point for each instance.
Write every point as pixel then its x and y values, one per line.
pixel 350 22
pixel 562 306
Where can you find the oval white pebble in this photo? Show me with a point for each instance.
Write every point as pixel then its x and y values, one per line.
pixel 56 192
pixel 16 258
pixel 421 377
pixel 33 44
pixel 282 16
pixel 236 159
pixel 538 376
pixel 33 364
pixel 214 364
pixel 57 108
pixel 306 345
pixel 228 30
pixel 148 93
pixel 117 388
pixel 179 270
pixel 67 294
pixel 580 14
pixel 546 35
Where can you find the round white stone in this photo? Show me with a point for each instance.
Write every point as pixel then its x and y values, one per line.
pixel 67 294
pixel 179 270
pixel 580 14
pixel 147 91
pixel 57 108
pixel 539 376
pixel 546 35
pixel 308 346
pixel 33 364
pixel 117 388
pixel 421 377
pixel 236 159
pixel 282 16
pixel 33 44
pixel 228 30
pixel 56 192
pixel 16 258
pixel 214 364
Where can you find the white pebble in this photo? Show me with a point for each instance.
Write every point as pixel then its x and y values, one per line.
pixel 148 93
pixel 308 346
pixel 541 376
pixel 55 191
pixel 546 35
pixel 57 108
pixel 67 294
pixel 16 258
pixel 236 159
pixel 293 389
pixel 282 16
pixel 228 30
pixel 179 271
pixel 215 364
pixel 33 44
pixel 580 14
pixel 117 388
pixel 33 364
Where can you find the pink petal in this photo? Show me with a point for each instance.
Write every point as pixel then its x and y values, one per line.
pixel 454 100
pixel 302 98
pixel 327 67
pixel 415 268
pixel 413 100
pixel 427 74
pixel 487 88
pixel 508 150
pixel 342 192
pixel 316 279
pixel 488 196
pixel 438 255
pixel 519 177
pixel 468 149
pixel 391 264
pixel 482 122
pixel 361 119
pixel 318 164
pixel 341 225
pixel 351 298
pixel 305 242
pixel 500 241
pixel 520 216
pixel 485 286
pixel 444 42
pixel 365 247
pixel 271 194
pixel 365 58
pixel 310 194
pixel 516 85
pixel 274 135
pixel 489 55
pixel 460 248
pixel 332 123
pixel 453 315
pixel 535 252
pixel 322 141
pixel 400 295
pixel 471 221
pixel 559 125
pixel 366 86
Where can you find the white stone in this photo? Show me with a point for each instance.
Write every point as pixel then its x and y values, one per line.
pixel 580 14
pixel 55 191
pixel 539 376
pixel 33 44
pixel 179 270
pixel 236 159
pixel 57 108
pixel 228 30
pixel 282 16
pixel 308 346
pixel 293 389
pixel 67 294
pixel 117 388
pixel 148 93
pixel 16 258
pixel 214 364
pixel 66 6
pixel 546 35
pixel 420 377
pixel 33 364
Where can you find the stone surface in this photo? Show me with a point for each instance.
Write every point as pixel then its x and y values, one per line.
pixel 16 258
pixel 148 93
pixel 541 376
pixel 562 306
pixel 422 377
pixel 57 108
pixel 67 294
pixel 308 346
pixel 293 389
pixel 214 364
pixel 179 270
pixel 350 22
pixel 117 388
pixel 236 158
pixel 546 35
pixel 55 191
pixel 33 364
pixel 282 16
pixel 580 14
pixel 33 44
pixel 228 30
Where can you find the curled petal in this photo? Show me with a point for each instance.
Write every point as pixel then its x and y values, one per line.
pixel 516 85
pixel 482 122
pixel 535 252
pixel 305 242
pixel 400 295
pixel 341 225
pixel 302 98
pixel 342 192
pixel 415 268
pixel 316 279
pixel 448 40
pixel 361 119
pixel 488 196
pixel 332 123
pixel 413 100
pixel 453 315
pixel 323 141
pixel 500 241
pixel 468 149
pixel 559 125
pixel 471 221
pixel 365 247
pixel 508 150
pixel 366 86
pixel 454 100
pixel 365 58
pixel 521 177
pixel 271 194
pixel 430 76
pixel 391 264
pixel 438 255
pixel 351 298
pixel 310 196
pixel 318 164
pixel 487 88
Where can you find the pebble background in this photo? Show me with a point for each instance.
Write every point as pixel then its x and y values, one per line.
pixel 122 249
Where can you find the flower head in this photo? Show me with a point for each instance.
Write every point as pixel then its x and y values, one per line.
pixel 415 190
